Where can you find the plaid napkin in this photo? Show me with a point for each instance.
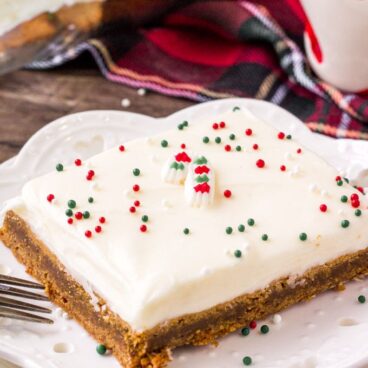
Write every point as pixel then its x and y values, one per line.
pixel 215 49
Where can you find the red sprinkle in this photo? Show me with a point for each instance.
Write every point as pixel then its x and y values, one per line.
pixel 98 229
pixel 137 203
pixel 338 178
pixel 78 162
pixel 132 209
pixel 355 203
pixel 88 234
pixel 299 150
pixel 260 163
pixel 102 220
pixel 248 132
pixel 227 193
pixel 121 148
pixel 354 197
pixel 323 208
pixel 283 168
pixel 215 126
pixel 70 220
pixel 143 228
pixel 222 124
pixel 183 146
pixel 79 215
pixel 361 190
pixel 50 197
pixel 255 146
pixel 136 187
pixel 228 148
pixel 90 175
pixel 253 325
pixel 281 135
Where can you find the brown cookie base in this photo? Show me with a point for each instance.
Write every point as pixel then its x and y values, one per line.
pixel 152 348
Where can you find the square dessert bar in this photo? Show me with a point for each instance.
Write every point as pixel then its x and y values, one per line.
pixel 186 236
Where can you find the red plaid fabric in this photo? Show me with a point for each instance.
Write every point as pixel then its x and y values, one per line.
pixel 216 49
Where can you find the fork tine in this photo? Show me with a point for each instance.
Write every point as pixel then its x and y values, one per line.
pixel 12 303
pixel 8 280
pixel 8 290
pixel 14 314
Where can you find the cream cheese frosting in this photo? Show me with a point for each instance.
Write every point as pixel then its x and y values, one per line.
pixel 277 210
pixel 15 12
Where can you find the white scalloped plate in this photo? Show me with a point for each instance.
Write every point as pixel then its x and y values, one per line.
pixel 330 331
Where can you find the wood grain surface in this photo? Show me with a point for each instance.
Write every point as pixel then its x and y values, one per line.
pixel 31 99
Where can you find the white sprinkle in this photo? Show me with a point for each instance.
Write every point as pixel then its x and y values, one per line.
pixel 341 212
pixel 276 319
pixel 89 165
pixel 205 271
pixel 149 140
pixel 296 169
pixel 166 204
pixel 141 91
pixel 58 312
pixel 127 192
pixel 288 156
pixel 324 193
pixel 94 186
pixel 125 102
pixel 313 187
pixel 153 158
pixel 66 316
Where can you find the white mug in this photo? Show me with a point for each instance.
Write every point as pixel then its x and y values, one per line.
pixel 336 42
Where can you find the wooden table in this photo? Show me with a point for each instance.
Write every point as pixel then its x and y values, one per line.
pixel 31 99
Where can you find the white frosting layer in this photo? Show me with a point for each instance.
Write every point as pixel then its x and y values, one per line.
pixel 15 12
pixel 149 277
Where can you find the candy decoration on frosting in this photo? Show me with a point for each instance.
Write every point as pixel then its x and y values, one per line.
pixel 200 183
pixel 50 197
pixel 176 169
pixel 59 167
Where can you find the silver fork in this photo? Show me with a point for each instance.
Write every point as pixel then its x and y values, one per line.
pixel 13 308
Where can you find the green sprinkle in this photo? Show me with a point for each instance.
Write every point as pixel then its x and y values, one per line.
pixel 345 223
pixel 136 172
pixel 185 123
pixel 202 179
pixel 361 299
pixel 344 198
pixel 59 167
pixel 232 137
pixel 265 329
pixel 346 180
pixel 164 143
pixel 264 237
pixel 218 140
pixel 238 253
pixel 174 165
pixel 358 212
pixel 251 222
pixel 86 214
pixel 101 349
pixel 238 148
pixel 236 108
pixel 339 183
pixel 241 228
pixel 90 199
pixel 72 203
pixel 181 166
pixel 205 139
pixel 144 218
pixel 229 230
pixel 303 236
pixel 200 160
pixel 245 331
pixel 247 360
pixel 186 231
pixel 289 136
pixel 180 126
pixel 69 212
